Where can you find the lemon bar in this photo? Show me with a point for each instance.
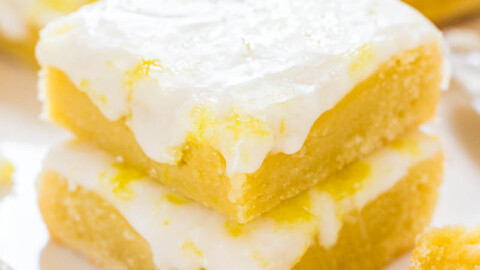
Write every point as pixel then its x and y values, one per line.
pixel 21 20
pixel 444 11
pixel 451 247
pixel 240 105
pixel 360 218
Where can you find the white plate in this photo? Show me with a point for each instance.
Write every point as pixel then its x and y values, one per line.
pixel 25 139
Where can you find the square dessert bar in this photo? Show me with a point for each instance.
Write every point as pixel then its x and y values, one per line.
pixel 21 20
pixel 240 105
pixel 447 248
pixel 362 217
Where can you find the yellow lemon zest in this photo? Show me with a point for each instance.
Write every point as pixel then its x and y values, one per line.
pixel 121 180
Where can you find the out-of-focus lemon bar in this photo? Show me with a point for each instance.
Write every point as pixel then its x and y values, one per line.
pixel 241 104
pixel 6 171
pixel 21 20
pixel 443 11
pixel 360 218
pixel 448 248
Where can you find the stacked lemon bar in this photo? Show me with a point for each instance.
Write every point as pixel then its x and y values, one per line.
pixel 241 134
pixel 20 21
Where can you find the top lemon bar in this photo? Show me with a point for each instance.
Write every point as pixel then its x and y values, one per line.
pixel 20 21
pixel 241 104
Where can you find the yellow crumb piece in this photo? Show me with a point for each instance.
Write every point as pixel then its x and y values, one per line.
pixel 123 178
pixel 347 181
pixel 190 247
pixel 406 145
pixel 451 247
pixel 6 172
pixel 361 58
pixel 140 72
pixel 176 199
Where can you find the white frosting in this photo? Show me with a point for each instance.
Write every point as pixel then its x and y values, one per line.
pixel 247 77
pixel 190 236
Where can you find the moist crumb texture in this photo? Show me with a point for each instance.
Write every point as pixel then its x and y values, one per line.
pixel 447 248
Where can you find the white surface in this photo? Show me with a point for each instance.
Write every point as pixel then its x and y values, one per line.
pixel 258 73
pixel 24 140
pixel 465 47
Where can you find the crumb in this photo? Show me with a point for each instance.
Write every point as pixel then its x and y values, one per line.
pixel 451 247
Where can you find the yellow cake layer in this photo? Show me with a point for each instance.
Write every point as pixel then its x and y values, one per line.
pixel 368 239
pixel 399 96
pixel 443 11
pixel 448 248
